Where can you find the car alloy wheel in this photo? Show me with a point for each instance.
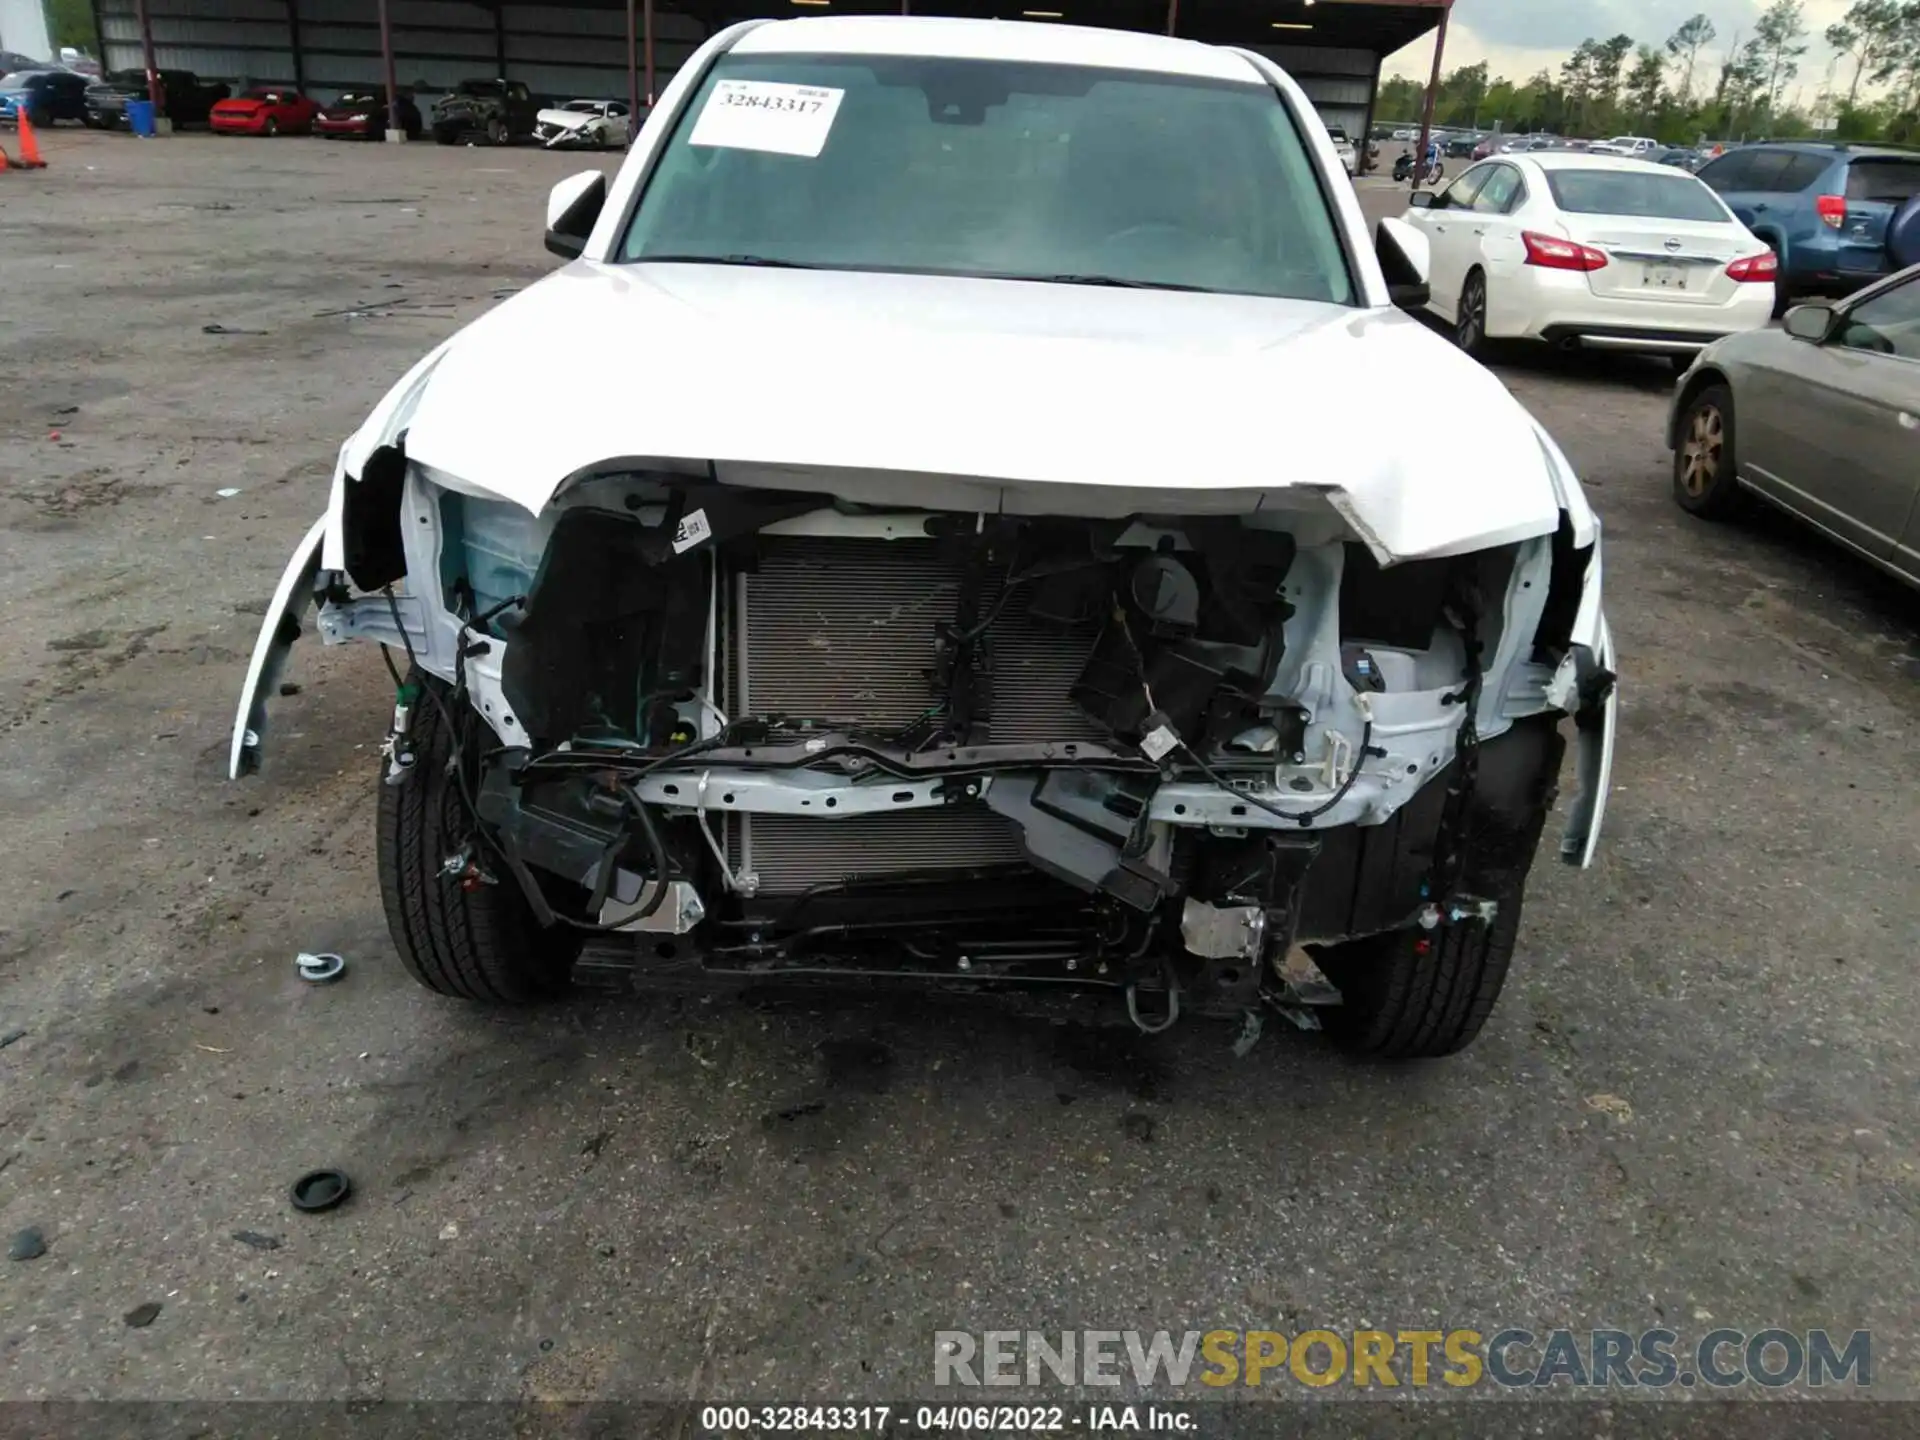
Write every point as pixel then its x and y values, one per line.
pixel 1706 459
pixel 272 127
pixel 496 131
pixel 1702 450
pixel 1470 325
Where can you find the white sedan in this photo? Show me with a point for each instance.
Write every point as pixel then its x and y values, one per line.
pixel 1344 149
pixel 594 124
pixel 1593 251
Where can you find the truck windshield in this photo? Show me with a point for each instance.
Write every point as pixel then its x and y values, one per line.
pixel 992 168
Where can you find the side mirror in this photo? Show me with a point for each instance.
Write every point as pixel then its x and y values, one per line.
pixel 1420 200
pixel 1811 322
pixel 1406 259
pixel 572 208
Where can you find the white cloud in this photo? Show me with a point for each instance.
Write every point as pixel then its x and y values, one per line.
pixel 1520 37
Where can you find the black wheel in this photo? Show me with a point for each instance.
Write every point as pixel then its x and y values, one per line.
pixel 1420 994
pixel 474 944
pixel 496 131
pixel 1783 296
pixel 445 135
pixel 1470 317
pixel 271 128
pixel 1704 459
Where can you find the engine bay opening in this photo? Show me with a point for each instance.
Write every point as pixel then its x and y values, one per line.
pixel 752 732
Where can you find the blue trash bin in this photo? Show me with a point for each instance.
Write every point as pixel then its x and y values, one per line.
pixel 140 117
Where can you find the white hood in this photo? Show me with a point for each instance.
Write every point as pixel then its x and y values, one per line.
pixel 1039 394
pixel 566 119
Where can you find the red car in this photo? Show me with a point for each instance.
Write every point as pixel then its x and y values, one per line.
pixel 265 110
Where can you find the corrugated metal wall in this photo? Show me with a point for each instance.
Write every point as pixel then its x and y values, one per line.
pixel 1339 82
pixel 558 51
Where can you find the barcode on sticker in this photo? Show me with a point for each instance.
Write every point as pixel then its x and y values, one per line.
pixel 693 529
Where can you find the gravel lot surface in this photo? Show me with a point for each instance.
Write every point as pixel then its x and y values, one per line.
pixel 1696 1106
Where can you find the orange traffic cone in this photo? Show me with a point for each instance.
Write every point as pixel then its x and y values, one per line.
pixel 29 144
pixel 3 160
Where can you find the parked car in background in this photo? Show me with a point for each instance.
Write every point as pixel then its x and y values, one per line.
pixel 79 62
pixel 1820 417
pixel 583 124
pixel 1680 159
pixel 265 110
pixel 185 99
pixel 1081 684
pixel 1634 147
pixel 1343 147
pixel 362 114
pixel 46 96
pixel 12 61
pixel 1590 250
pixel 1828 211
pixel 1462 147
pixel 498 111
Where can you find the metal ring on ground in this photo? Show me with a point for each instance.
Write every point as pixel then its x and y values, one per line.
pixel 320 969
pixel 320 1190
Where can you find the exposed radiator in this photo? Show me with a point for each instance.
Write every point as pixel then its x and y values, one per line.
pixel 841 631
pixel 791 853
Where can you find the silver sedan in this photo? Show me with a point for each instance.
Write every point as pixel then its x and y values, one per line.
pixel 1820 417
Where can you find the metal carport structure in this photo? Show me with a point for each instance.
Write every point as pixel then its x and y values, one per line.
pixel 1334 48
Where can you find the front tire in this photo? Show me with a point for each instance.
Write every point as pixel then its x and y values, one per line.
pixel 1704 461
pixel 1420 994
pixel 481 944
pixel 1470 318
pixel 271 128
pixel 496 131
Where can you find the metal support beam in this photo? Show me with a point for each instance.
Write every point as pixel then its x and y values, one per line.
pixel 99 36
pixel 649 47
pixel 1363 139
pixel 633 71
pixel 1173 15
pixel 1433 93
pixel 386 69
pixel 500 38
pixel 146 56
pixel 293 45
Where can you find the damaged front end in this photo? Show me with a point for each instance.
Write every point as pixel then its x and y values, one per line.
pixel 758 733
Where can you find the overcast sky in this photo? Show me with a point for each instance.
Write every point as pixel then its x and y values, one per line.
pixel 1519 37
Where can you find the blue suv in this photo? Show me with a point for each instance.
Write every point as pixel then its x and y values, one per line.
pixel 1828 211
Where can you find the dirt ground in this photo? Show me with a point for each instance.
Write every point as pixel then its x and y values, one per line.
pixel 1696 1105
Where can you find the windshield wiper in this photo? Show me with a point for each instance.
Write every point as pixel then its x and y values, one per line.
pixel 762 260
pixel 1113 280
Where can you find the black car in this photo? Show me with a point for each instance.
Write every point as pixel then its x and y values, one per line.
pixel 185 99
pixel 362 115
pixel 499 110
pixel 46 95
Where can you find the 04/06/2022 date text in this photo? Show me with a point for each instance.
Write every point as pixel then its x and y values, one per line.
pixel 943 1419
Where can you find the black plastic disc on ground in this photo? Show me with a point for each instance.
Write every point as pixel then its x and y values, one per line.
pixel 320 1190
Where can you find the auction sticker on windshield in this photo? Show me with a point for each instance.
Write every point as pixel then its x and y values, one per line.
pixel 767 115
